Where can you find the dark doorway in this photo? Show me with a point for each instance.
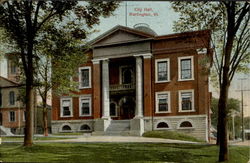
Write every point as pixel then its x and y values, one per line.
pixel 1 119
pixel 127 106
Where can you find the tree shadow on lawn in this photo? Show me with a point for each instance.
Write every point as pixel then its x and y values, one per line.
pixel 109 152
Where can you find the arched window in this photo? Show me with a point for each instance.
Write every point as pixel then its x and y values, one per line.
pixel 186 124
pixel 112 109
pixel 12 98
pixel 162 125
pixel 66 128
pixel 85 128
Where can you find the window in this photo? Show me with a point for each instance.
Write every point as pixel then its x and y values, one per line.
pixel 85 128
pixel 12 116
pixel 84 77
pixel 162 70
pixel 186 101
pixel 186 124
pixel 112 109
pixel 66 128
pixel 186 68
pixel 13 68
pixel 126 75
pixel 85 106
pixel 162 125
pixel 162 102
pixel 12 98
pixel 66 107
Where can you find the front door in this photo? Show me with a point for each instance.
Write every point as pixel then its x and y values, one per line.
pixel 127 108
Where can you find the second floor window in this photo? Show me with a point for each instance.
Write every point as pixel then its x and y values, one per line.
pixel 12 116
pixel 84 77
pixel 13 68
pixel 186 68
pixel 162 70
pixel 12 98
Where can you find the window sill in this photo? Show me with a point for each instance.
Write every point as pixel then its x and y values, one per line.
pixel 162 112
pixel 164 81
pixel 84 87
pixel 186 111
pixel 186 79
pixel 66 116
pixel 185 128
pixel 85 115
pixel 162 129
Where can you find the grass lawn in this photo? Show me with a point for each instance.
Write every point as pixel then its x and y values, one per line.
pixel 117 152
pixel 170 135
pixel 19 138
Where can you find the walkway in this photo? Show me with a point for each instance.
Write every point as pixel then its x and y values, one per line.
pixel 111 139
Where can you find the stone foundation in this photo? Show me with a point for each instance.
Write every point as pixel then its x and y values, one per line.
pixel 199 127
pixel 139 126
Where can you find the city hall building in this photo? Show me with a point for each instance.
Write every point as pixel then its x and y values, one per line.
pixel 136 81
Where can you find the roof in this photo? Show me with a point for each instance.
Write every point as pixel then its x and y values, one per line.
pixel 146 34
pixel 3 78
pixel 122 28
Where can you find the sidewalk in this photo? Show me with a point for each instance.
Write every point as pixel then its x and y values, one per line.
pixel 245 143
pixel 113 139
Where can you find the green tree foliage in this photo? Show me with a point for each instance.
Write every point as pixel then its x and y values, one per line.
pixel 24 23
pixel 233 110
pixel 229 23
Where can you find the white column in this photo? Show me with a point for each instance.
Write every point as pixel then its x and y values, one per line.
pixel 139 85
pixel 105 89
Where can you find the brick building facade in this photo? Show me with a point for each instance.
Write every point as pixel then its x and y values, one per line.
pixel 12 112
pixel 135 81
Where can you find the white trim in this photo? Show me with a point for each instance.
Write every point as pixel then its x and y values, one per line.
pixel 156 102
pixel 184 120
pixel 201 51
pixel 14 116
pixel 179 68
pixel 70 108
pixel 96 61
pixel 180 100
pixel 156 70
pixel 80 76
pixel 145 55
pixel 85 97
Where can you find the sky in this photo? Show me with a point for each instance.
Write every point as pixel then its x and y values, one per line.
pixel 160 17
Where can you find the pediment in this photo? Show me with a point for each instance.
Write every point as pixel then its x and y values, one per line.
pixel 6 82
pixel 120 34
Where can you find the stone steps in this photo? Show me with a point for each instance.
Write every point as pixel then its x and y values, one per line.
pixel 118 127
pixel 5 131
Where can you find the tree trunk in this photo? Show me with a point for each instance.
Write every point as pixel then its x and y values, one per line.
pixel 222 123
pixel 28 138
pixel 45 120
